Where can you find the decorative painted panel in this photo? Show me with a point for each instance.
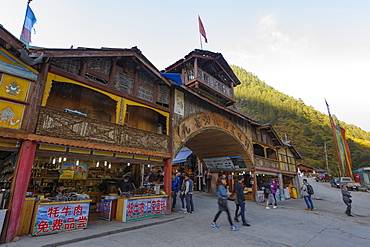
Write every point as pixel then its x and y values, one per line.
pixel 11 114
pixel 14 87
pixel 266 163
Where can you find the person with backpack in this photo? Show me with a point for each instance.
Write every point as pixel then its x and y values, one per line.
pixel 306 192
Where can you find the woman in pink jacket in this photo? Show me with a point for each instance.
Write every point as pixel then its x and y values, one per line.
pixel 274 187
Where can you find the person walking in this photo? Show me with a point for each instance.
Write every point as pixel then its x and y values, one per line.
pixel 175 190
pixel 239 190
pixel 347 200
pixel 222 195
pixel 237 206
pixel 267 193
pixel 306 195
pixel 189 186
pixel 274 188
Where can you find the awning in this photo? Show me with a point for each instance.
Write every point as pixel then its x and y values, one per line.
pixel 181 156
pixel 174 77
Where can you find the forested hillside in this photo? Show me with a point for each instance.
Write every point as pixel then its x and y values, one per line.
pixel 307 128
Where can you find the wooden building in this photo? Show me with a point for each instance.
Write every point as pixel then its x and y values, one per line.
pixel 275 158
pixel 104 111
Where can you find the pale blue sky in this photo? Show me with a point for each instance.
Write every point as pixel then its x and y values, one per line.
pixel 307 49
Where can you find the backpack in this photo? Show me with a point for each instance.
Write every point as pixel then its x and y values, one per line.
pixel 309 189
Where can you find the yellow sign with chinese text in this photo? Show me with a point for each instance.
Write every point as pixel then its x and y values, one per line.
pixel 67 174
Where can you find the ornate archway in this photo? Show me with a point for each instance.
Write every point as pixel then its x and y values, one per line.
pixel 212 135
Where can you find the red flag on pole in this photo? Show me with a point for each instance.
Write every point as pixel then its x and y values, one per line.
pixel 202 30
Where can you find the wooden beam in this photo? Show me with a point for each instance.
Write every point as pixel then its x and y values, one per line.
pixel 16 134
pixel 32 112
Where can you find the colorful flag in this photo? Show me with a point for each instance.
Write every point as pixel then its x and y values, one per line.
pixel 29 21
pixel 202 30
pixel 341 146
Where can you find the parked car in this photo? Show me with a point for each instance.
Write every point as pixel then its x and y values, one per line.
pixel 323 177
pixel 349 183
pixel 335 182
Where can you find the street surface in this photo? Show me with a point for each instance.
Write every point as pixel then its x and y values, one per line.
pixel 288 225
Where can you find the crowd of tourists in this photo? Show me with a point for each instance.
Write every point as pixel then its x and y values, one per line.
pixel 183 186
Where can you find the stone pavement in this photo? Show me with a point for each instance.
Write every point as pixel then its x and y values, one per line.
pixel 288 225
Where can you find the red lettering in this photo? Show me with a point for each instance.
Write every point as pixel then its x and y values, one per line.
pixel 43 227
pixel 53 212
pixel 57 225
pixel 70 224
pixel 81 222
pixel 66 210
pixel 78 210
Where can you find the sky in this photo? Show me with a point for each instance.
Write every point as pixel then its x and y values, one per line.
pixel 309 50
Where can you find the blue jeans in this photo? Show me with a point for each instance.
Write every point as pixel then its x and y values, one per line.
pixel 174 197
pixel 308 201
pixel 189 203
pixel 242 209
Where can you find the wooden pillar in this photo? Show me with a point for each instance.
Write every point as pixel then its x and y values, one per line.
pixel 254 187
pixel 168 183
pixel 21 180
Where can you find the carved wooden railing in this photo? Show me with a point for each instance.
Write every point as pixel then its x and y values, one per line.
pixel 210 80
pixel 60 124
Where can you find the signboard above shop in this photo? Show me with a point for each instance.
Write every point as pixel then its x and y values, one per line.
pixel 225 163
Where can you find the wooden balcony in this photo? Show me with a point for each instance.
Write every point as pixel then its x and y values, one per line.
pixel 60 124
pixel 208 83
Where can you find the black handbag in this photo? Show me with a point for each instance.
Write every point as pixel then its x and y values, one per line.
pixel 222 202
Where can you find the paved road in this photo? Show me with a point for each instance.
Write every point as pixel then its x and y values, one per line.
pixel 288 225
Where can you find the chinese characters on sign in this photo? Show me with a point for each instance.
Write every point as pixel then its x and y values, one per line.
pixel 105 209
pixel 212 120
pixel 143 208
pixel 53 218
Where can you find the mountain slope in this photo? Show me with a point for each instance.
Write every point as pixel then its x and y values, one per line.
pixel 307 128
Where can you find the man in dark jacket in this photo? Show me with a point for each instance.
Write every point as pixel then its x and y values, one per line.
pixel 125 185
pixel 239 190
pixel 59 190
pixel 175 190
pixel 346 199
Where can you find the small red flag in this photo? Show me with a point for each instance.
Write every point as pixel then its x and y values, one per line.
pixel 202 30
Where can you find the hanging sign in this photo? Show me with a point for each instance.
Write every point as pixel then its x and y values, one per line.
pixel 179 103
pixel 219 163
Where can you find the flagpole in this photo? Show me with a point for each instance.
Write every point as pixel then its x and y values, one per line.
pixel 326 158
pixel 200 38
